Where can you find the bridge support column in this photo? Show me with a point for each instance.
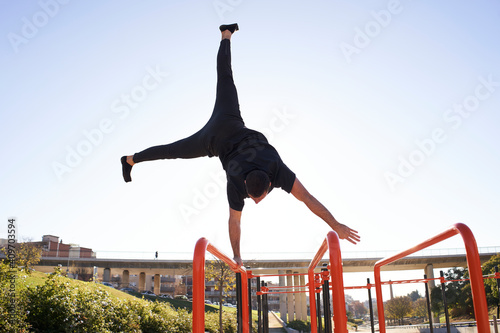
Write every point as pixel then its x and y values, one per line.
pixel 290 310
pixel 429 271
pixel 157 284
pixel 142 282
pixel 282 297
pixel 125 278
pixel 106 276
pixel 298 303
pixel 303 298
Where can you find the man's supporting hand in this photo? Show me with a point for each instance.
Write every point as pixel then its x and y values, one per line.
pixel 238 261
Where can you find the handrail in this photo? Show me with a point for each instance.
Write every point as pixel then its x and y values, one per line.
pixel 473 262
pixel 332 244
pixel 203 245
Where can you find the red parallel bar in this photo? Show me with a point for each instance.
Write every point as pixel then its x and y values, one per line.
pixel 340 315
pixel 281 292
pixel 251 275
pixel 202 246
pixel 332 244
pixel 287 287
pixel 473 263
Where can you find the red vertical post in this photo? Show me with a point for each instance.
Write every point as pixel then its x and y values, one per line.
pixel 312 287
pixel 476 278
pixel 199 286
pixel 338 297
pixel 332 244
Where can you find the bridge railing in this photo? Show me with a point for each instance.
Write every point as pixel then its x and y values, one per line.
pixel 332 244
pixel 474 265
pixel 202 246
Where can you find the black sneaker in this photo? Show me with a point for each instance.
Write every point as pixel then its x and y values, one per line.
pixel 231 27
pixel 126 169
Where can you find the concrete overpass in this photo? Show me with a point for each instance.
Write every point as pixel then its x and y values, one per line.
pixel 149 272
pixel 156 268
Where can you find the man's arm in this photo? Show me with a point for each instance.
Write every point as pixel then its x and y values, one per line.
pixel 344 232
pixel 235 233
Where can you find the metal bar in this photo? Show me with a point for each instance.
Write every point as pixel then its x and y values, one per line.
pixel 372 322
pixel 312 288
pixel 250 321
pixel 318 306
pixel 473 263
pixel 498 288
pixel 326 305
pixel 202 245
pixel 259 307
pixel 199 286
pixel 238 303
pixel 445 303
pixel 339 311
pixel 266 311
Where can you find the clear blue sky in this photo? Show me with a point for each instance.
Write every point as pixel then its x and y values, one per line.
pixel 387 111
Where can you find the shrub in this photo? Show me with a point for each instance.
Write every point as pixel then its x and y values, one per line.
pixel 229 324
pixel 60 305
pixel 13 302
pixel 300 325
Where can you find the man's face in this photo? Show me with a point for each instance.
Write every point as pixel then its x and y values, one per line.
pixel 259 199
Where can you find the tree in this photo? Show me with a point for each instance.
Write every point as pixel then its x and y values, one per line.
pixel 457 294
pixel 398 307
pixel 490 285
pixel 359 309
pixel 225 280
pixel 420 308
pixel 28 255
pixel 414 295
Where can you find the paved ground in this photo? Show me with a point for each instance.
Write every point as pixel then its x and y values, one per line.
pixel 275 325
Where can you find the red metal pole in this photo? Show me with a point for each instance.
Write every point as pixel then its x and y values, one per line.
pixel 199 286
pixel 312 287
pixel 244 283
pixel 473 263
pixel 339 312
pixel 476 278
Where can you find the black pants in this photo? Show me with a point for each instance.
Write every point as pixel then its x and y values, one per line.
pixel 224 123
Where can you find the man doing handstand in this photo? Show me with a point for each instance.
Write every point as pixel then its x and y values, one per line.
pixel 253 167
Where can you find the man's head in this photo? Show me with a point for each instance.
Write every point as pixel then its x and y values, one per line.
pixel 257 184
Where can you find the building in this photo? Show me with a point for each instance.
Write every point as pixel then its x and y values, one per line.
pixel 53 247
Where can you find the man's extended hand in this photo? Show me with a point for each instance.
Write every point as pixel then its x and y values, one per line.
pixel 347 233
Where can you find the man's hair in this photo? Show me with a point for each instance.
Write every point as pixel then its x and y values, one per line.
pixel 257 182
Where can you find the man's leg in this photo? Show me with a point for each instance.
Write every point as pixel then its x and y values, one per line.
pixel 190 147
pixel 226 101
pixel 226 112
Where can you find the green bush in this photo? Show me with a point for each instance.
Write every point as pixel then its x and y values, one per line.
pixel 229 324
pixel 13 301
pixel 62 305
pixel 58 306
pixel 300 325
